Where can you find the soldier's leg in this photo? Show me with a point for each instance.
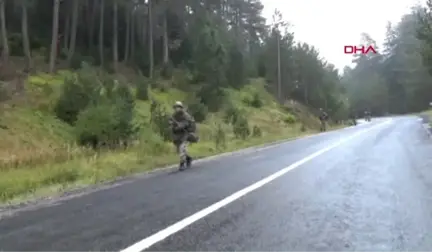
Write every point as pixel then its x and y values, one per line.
pixel 183 151
pixel 177 145
pixel 180 151
pixel 188 158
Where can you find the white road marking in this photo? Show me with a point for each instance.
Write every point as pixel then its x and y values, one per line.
pixel 176 227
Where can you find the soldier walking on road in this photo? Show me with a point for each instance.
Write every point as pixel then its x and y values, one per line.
pixel 367 115
pixel 183 128
pixel 323 118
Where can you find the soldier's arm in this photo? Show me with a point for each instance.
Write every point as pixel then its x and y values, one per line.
pixel 188 121
pixel 172 122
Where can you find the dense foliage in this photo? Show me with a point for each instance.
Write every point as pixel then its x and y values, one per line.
pixel 205 46
pixel 128 60
pixel 215 43
pixel 397 80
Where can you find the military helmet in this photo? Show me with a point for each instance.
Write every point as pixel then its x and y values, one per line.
pixel 178 104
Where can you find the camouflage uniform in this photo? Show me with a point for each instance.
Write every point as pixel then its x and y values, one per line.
pixel 323 118
pixel 181 123
pixel 367 115
pixel 353 118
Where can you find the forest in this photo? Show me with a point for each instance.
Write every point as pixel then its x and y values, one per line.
pixel 398 79
pixel 86 86
pixel 219 43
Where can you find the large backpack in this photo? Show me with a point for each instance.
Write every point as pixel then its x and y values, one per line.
pixel 192 127
pixel 323 116
pixel 192 135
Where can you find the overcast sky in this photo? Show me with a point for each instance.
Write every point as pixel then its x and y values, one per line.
pixel 331 24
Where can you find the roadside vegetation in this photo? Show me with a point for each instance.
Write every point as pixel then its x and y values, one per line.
pixel 87 85
pixel 42 153
pixel 396 80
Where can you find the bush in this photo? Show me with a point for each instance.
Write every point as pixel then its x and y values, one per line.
pixel 303 127
pixel 181 78
pixel 159 121
pixel 87 88
pixel 254 101
pixel 108 123
pixel 78 60
pixel 237 67
pixel 78 92
pixel 256 131
pixel 166 71
pixel 96 126
pixel 124 108
pixel 241 128
pixel 220 137
pixel 151 143
pixel 142 92
pixel 4 93
pixel 162 85
pixel 290 119
pixel 213 97
pixel 198 111
pixel 15 44
pixel 72 101
pixel 231 115
pixel 102 126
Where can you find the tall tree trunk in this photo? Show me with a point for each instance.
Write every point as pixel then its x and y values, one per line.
pixel 25 34
pixel 133 33
pixel 128 33
pixel 141 26
pixel 54 40
pixel 165 59
pixel 101 32
pixel 306 94
pixel 144 31
pixel 150 38
pixel 5 51
pixel 115 36
pixel 73 31
pixel 67 30
pixel 92 24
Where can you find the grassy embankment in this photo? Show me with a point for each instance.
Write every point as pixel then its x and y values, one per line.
pixel 38 156
pixel 428 113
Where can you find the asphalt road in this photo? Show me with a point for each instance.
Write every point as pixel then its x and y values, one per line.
pixel 367 187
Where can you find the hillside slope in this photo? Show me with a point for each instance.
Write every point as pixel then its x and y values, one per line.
pixel 39 156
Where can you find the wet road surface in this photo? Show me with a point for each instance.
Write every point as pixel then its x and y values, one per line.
pixel 367 187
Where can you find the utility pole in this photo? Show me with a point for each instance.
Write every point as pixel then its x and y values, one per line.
pixel 275 26
pixel 279 69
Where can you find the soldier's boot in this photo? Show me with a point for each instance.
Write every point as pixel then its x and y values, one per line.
pixel 182 165
pixel 188 161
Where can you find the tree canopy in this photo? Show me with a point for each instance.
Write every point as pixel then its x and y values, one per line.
pixel 220 43
pixel 397 80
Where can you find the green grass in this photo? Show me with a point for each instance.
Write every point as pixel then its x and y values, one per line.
pixel 40 180
pixel 428 112
pixel 38 156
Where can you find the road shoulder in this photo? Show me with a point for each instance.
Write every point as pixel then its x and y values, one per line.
pixel 35 203
pixel 426 122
